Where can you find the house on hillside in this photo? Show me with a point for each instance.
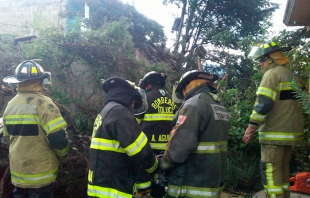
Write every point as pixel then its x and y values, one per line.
pixel 18 16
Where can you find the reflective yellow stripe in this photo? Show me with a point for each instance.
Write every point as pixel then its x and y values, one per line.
pixel 138 120
pixel 158 116
pixel 270 187
pixel 284 136
pixel 103 192
pixel 211 147
pixel 34 178
pixel 137 145
pixel 257 116
pixel 143 185
pixel 153 168
pixel 273 43
pixel 269 177
pixel 190 191
pixel 114 145
pixel 158 146
pixel 266 45
pixel 54 124
pixel 273 189
pixel 285 86
pixel 286 186
pixel 106 145
pixel 22 119
pixel 62 152
pixel 266 92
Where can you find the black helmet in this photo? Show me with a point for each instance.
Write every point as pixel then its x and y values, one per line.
pixel 153 77
pixel 266 49
pixel 187 77
pixel 139 96
pixel 27 70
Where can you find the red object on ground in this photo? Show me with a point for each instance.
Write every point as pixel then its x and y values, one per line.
pixel 301 182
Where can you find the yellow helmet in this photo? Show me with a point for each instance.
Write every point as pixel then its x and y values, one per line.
pixel 265 49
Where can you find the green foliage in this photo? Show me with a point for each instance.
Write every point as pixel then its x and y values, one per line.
pixel 239 103
pixel 83 123
pixel 162 67
pixel 242 170
pixel 301 157
pixel 303 97
pixel 60 96
pixel 9 54
pixel 146 34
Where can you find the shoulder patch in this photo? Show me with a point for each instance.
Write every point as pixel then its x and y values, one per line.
pixel 220 112
pixel 181 119
pixel 162 92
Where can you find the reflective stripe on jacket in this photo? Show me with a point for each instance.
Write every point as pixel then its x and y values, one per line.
pixel 277 110
pixel 29 119
pixel 197 151
pixel 117 145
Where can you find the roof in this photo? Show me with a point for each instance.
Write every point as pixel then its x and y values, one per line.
pixel 297 13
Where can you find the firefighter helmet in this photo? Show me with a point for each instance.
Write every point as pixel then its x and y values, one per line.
pixel 187 77
pixel 152 77
pixel 139 96
pixel 27 70
pixel 265 49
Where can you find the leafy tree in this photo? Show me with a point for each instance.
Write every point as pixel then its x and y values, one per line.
pixel 225 29
pixel 147 34
pixel 9 57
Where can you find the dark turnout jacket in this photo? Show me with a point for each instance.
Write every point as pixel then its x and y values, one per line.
pixel 156 121
pixel 117 147
pixel 196 152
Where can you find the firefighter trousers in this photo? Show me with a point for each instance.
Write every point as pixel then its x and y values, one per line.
pixel 275 172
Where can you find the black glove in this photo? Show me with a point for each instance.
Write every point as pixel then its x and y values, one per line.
pixel 158 190
pixel 159 169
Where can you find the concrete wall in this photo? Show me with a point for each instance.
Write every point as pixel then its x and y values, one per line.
pixel 17 16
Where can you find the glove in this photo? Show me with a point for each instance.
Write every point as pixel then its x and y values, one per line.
pixel 158 190
pixel 143 193
pixel 248 134
pixel 159 169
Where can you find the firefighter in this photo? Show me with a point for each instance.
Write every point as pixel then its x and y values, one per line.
pixel 156 124
pixel 278 116
pixel 156 121
pixel 196 153
pixel 118 145
pixel 36 132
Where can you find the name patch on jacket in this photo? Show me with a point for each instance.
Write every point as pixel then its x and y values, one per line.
pixel 164 105
pixel 220 112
